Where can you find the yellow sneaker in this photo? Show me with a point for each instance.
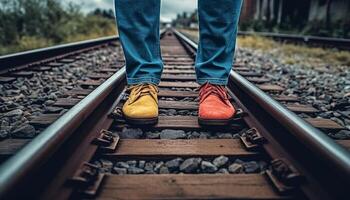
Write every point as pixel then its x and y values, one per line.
pixel 141 108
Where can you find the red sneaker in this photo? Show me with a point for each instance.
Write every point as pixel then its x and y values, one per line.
pixel 214 105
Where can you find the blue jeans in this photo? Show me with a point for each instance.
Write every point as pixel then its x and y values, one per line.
pixel 138 26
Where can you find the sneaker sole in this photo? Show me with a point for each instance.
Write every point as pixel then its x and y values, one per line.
pixel 141 121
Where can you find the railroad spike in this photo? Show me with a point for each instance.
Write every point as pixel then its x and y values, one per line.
pixel 88 179
pixel 252 139
pixel 107 141
pixel 284 176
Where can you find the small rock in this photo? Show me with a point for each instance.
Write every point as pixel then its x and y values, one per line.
pixel 51 109
pixel 135 170
pixel 190 165
pixel 152 135
pixel 49 102
pixel 208 167
pixel 122 165
pixel 235 168
pixel 4 134
pixel 173 164
pixel 106 165
pixel 220 161
pixel 158 166
pixel 251 167
pixel 225 136
pixel 223 171
pixel 172 134
pixel 142 164
pixel 24 131
pixel 132 163
pixel 341 135
pixel 14 113
pixel 164 170
pixel 238 161
pixel 131 133
pixel 119 170
pixel 148 167
pixel 171 112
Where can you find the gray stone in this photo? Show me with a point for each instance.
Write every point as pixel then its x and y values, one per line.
pixel 235 168
pixel 152 135
pixel 203 136
pixel 225 136
pixel 142 164
pixel 172 134
pixel 119 170
pixel 164 170
pixel 132 163
pixel 49 102
pixel 158 166
pixel 4 134
pixel 14 113
pixel 341 135
pixel 174 164
pixel 135 170
pixel 148 166
pixel 131 133
pixel 122 165
pixel 24 131
pixel 223 171
pixel 107 165
pixel 251 167
pixel 208 167
pixel 51 109
pixel 190 165
pixel 171 112
pixel 220 161
pixel 239 161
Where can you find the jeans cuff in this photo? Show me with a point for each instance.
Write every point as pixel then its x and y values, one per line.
pixel 215 81
pixel 153 80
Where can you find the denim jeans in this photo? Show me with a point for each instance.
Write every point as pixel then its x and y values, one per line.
pixel 138 26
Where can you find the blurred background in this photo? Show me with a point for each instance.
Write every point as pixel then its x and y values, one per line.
pixel 31 24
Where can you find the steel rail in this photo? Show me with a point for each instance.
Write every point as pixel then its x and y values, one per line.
pixel 46 143
pixel 8 62
pixel 36 153
pixel 315 149
pixel 340 43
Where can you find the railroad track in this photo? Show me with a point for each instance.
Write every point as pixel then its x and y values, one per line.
pixel 328 42
pixel 268 152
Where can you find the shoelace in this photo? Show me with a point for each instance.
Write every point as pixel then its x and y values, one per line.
pixel 142 90
pixel 210 89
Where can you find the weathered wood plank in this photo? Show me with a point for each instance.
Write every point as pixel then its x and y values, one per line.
pixel 44 119
pixel 178 105
pixel 11 146
pixel 181 147
pixel 323 123
pixel 171 93
pixel 271 87
pixel 66 102
pixel 299 108
pixel 227 186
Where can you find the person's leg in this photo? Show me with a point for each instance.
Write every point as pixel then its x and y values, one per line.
pixel 138 28
pixel 217 40
pixel 218 29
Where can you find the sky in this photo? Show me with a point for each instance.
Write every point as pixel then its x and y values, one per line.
pixel 168 11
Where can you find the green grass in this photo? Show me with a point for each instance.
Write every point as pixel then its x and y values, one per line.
pixel 290 53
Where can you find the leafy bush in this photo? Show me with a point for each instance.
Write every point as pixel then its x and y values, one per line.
pixel 30 24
